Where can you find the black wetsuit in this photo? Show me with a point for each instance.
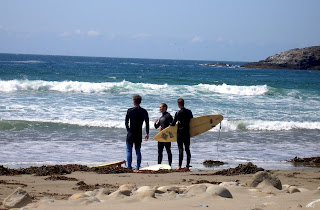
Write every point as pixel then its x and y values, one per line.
pixel 136 116
pixel 164 122
pixel 183 118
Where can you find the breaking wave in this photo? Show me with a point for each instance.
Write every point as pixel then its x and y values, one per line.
pixel 129 87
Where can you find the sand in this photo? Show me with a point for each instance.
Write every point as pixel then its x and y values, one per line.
pixel 190 191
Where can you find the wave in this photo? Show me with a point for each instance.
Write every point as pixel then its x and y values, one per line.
pixel 260 125
pixel 129 87
pixel 227 125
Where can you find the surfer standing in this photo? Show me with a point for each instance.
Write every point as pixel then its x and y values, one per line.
pixel 134 121
pixel 183 118
pixel 161 124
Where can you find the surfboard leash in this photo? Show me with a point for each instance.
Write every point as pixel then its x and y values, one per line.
pixel 218 141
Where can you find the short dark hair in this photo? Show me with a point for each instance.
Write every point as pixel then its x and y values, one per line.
pixel 165 105
pixel 137 99
pixel 180 101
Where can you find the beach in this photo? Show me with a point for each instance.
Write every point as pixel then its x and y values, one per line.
pixel 60 110
pixel 174 190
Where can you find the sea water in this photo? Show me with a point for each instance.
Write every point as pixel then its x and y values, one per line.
pixel 63 109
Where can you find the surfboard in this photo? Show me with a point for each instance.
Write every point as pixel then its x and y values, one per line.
pixel 119 163
pixel 198 125
pixel 156 167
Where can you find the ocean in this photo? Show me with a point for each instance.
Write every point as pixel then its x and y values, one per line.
pixel 71 110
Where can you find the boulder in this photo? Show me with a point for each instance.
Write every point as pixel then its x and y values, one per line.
pixel 261 176
pixel 220 191
pixel 19 198
pixel 306 58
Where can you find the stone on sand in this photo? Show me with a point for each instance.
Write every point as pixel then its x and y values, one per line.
pixel 293 189
pixel 263 175
pixel 120 194
pixel 220 191
pixel 127 187
pixel 19 198
pixel 144 188
pixel 77 196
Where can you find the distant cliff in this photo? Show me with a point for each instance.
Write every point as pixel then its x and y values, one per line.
pixel 306 58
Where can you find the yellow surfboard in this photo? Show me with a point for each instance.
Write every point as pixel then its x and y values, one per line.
pixel 118 163
pixel 198 125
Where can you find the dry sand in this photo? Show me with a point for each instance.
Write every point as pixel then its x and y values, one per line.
pixel 49 194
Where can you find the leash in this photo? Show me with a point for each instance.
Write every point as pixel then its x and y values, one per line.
pixel 218 141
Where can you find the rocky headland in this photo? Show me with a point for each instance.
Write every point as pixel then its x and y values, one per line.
pixel 305 59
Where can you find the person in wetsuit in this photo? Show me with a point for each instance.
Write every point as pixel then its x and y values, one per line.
pixel 134 121
pixel 161 124
pixel 183 118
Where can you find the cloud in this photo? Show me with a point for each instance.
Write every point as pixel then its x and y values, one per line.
pixel 141 36
pixel 77 31
pixel 197 39
pixel 93 33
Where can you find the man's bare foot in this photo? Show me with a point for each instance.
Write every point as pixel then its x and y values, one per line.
pixel 179 168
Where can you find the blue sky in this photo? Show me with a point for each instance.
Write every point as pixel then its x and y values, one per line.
pixel 229 30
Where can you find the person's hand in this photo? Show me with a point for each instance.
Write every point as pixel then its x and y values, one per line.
pixel 155 121
pixel 146 137
pixel 160 128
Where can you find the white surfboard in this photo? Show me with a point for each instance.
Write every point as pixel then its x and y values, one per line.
pixel 156 167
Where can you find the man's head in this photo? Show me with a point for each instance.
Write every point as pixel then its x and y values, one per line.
pixel 180 102
pixel 163 107
pixel 136 100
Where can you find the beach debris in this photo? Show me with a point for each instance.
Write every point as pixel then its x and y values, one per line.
pixel 55 178
pixel 19 198
pixel 89 187
pixel 212 163
pixel 309 161
pixel 220 191
pixel 202 205
pixel 248 168
pixel 262 176
pixel 12 183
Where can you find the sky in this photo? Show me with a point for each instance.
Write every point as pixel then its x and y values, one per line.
pixel 215 30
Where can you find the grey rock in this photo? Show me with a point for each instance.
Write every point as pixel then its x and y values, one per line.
pixel 306 58
pixel 261 176
pixel 19 198
pixel 220 191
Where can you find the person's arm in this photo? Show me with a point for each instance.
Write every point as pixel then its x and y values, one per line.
pixel 175 119
pixel 156 123
pixel 127 121
pixel 147 126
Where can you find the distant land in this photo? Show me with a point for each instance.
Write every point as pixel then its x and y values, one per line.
pixel 305 59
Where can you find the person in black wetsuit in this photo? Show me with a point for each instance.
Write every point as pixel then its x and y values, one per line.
pixel 161 124
pixel 183 118
pixel 134 120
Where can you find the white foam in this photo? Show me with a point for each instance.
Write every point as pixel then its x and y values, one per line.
pixel 128 87
pixel 260 125
pixel 236 90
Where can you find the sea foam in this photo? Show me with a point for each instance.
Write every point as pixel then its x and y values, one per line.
pixel 129 87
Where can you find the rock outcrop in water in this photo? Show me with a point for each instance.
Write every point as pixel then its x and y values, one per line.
pixel 306 58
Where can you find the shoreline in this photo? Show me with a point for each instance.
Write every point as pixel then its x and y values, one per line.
pixel 55 191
